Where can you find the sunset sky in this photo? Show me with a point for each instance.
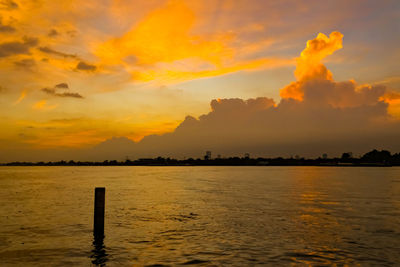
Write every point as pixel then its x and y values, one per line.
pixel 75 75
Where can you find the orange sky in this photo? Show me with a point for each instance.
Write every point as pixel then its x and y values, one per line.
pixel 74 73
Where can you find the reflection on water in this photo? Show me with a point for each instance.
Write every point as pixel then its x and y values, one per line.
pixel 99 254
pixel 171 216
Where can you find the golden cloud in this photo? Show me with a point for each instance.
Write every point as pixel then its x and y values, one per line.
pixel 163 47
pixel 81 132
pixel 42 105
pixel 315 83
pixel 393 99
pixel 309 66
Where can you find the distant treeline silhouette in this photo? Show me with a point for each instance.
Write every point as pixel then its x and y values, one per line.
pixel 372 158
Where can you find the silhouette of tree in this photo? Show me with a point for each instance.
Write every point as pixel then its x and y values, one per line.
pixel 376 156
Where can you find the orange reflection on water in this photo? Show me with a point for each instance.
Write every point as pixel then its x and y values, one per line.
pixel 315 216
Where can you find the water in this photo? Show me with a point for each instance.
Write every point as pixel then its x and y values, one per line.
pixel 209 216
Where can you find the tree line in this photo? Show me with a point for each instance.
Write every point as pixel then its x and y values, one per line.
pixel 372 158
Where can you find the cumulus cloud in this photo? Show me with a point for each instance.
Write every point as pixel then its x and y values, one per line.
pixel 55 91
pixel 319 116
pixel 85 66
pixel 393 100
pixel 309 66
pixel 391 96
pixel 18 47
pixel 315 84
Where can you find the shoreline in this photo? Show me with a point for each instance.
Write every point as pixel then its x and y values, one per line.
pixel 200 165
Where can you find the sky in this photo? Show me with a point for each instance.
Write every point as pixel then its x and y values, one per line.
pixel 95 80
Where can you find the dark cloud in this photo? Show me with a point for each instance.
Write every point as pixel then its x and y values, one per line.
pixel 8 4
pixel 332 117
pixel 236 126
pixel 55 91
pixel 62 85
pixel 31 41
pixel 53 33
pixel 85 66
pixel 340 94
pixel 17 48
pixel 51 51
pixel 50 91
pixel 6 28
pixel 26 64
pixel 67 94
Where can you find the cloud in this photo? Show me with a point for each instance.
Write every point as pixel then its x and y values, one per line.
pixel 42 105
pixel 17 47
pixel 236 126
pixel 50 91
pixel 26 64
pixel 51 51
pixel 392 98
pixel 315 84
pixel 171 73
pixel 62 85
pixel 165 49
pixel 329 117
pixel 162 37
pixel 8 4
pixel 6 28
pixel 309 66
pixel 68 94
pixel 54 91
pixel 53 33
pixel 85 66
pixel 21 97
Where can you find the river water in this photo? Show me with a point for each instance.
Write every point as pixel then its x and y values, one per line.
pixel 203 216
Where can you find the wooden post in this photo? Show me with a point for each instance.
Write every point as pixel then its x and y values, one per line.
pixel 99 204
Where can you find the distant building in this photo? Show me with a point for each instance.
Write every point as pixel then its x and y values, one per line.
pixel 208 155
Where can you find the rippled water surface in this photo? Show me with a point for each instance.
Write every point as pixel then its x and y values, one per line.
pixel 209 216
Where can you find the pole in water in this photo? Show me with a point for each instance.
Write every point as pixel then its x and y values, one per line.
pixel 99 205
